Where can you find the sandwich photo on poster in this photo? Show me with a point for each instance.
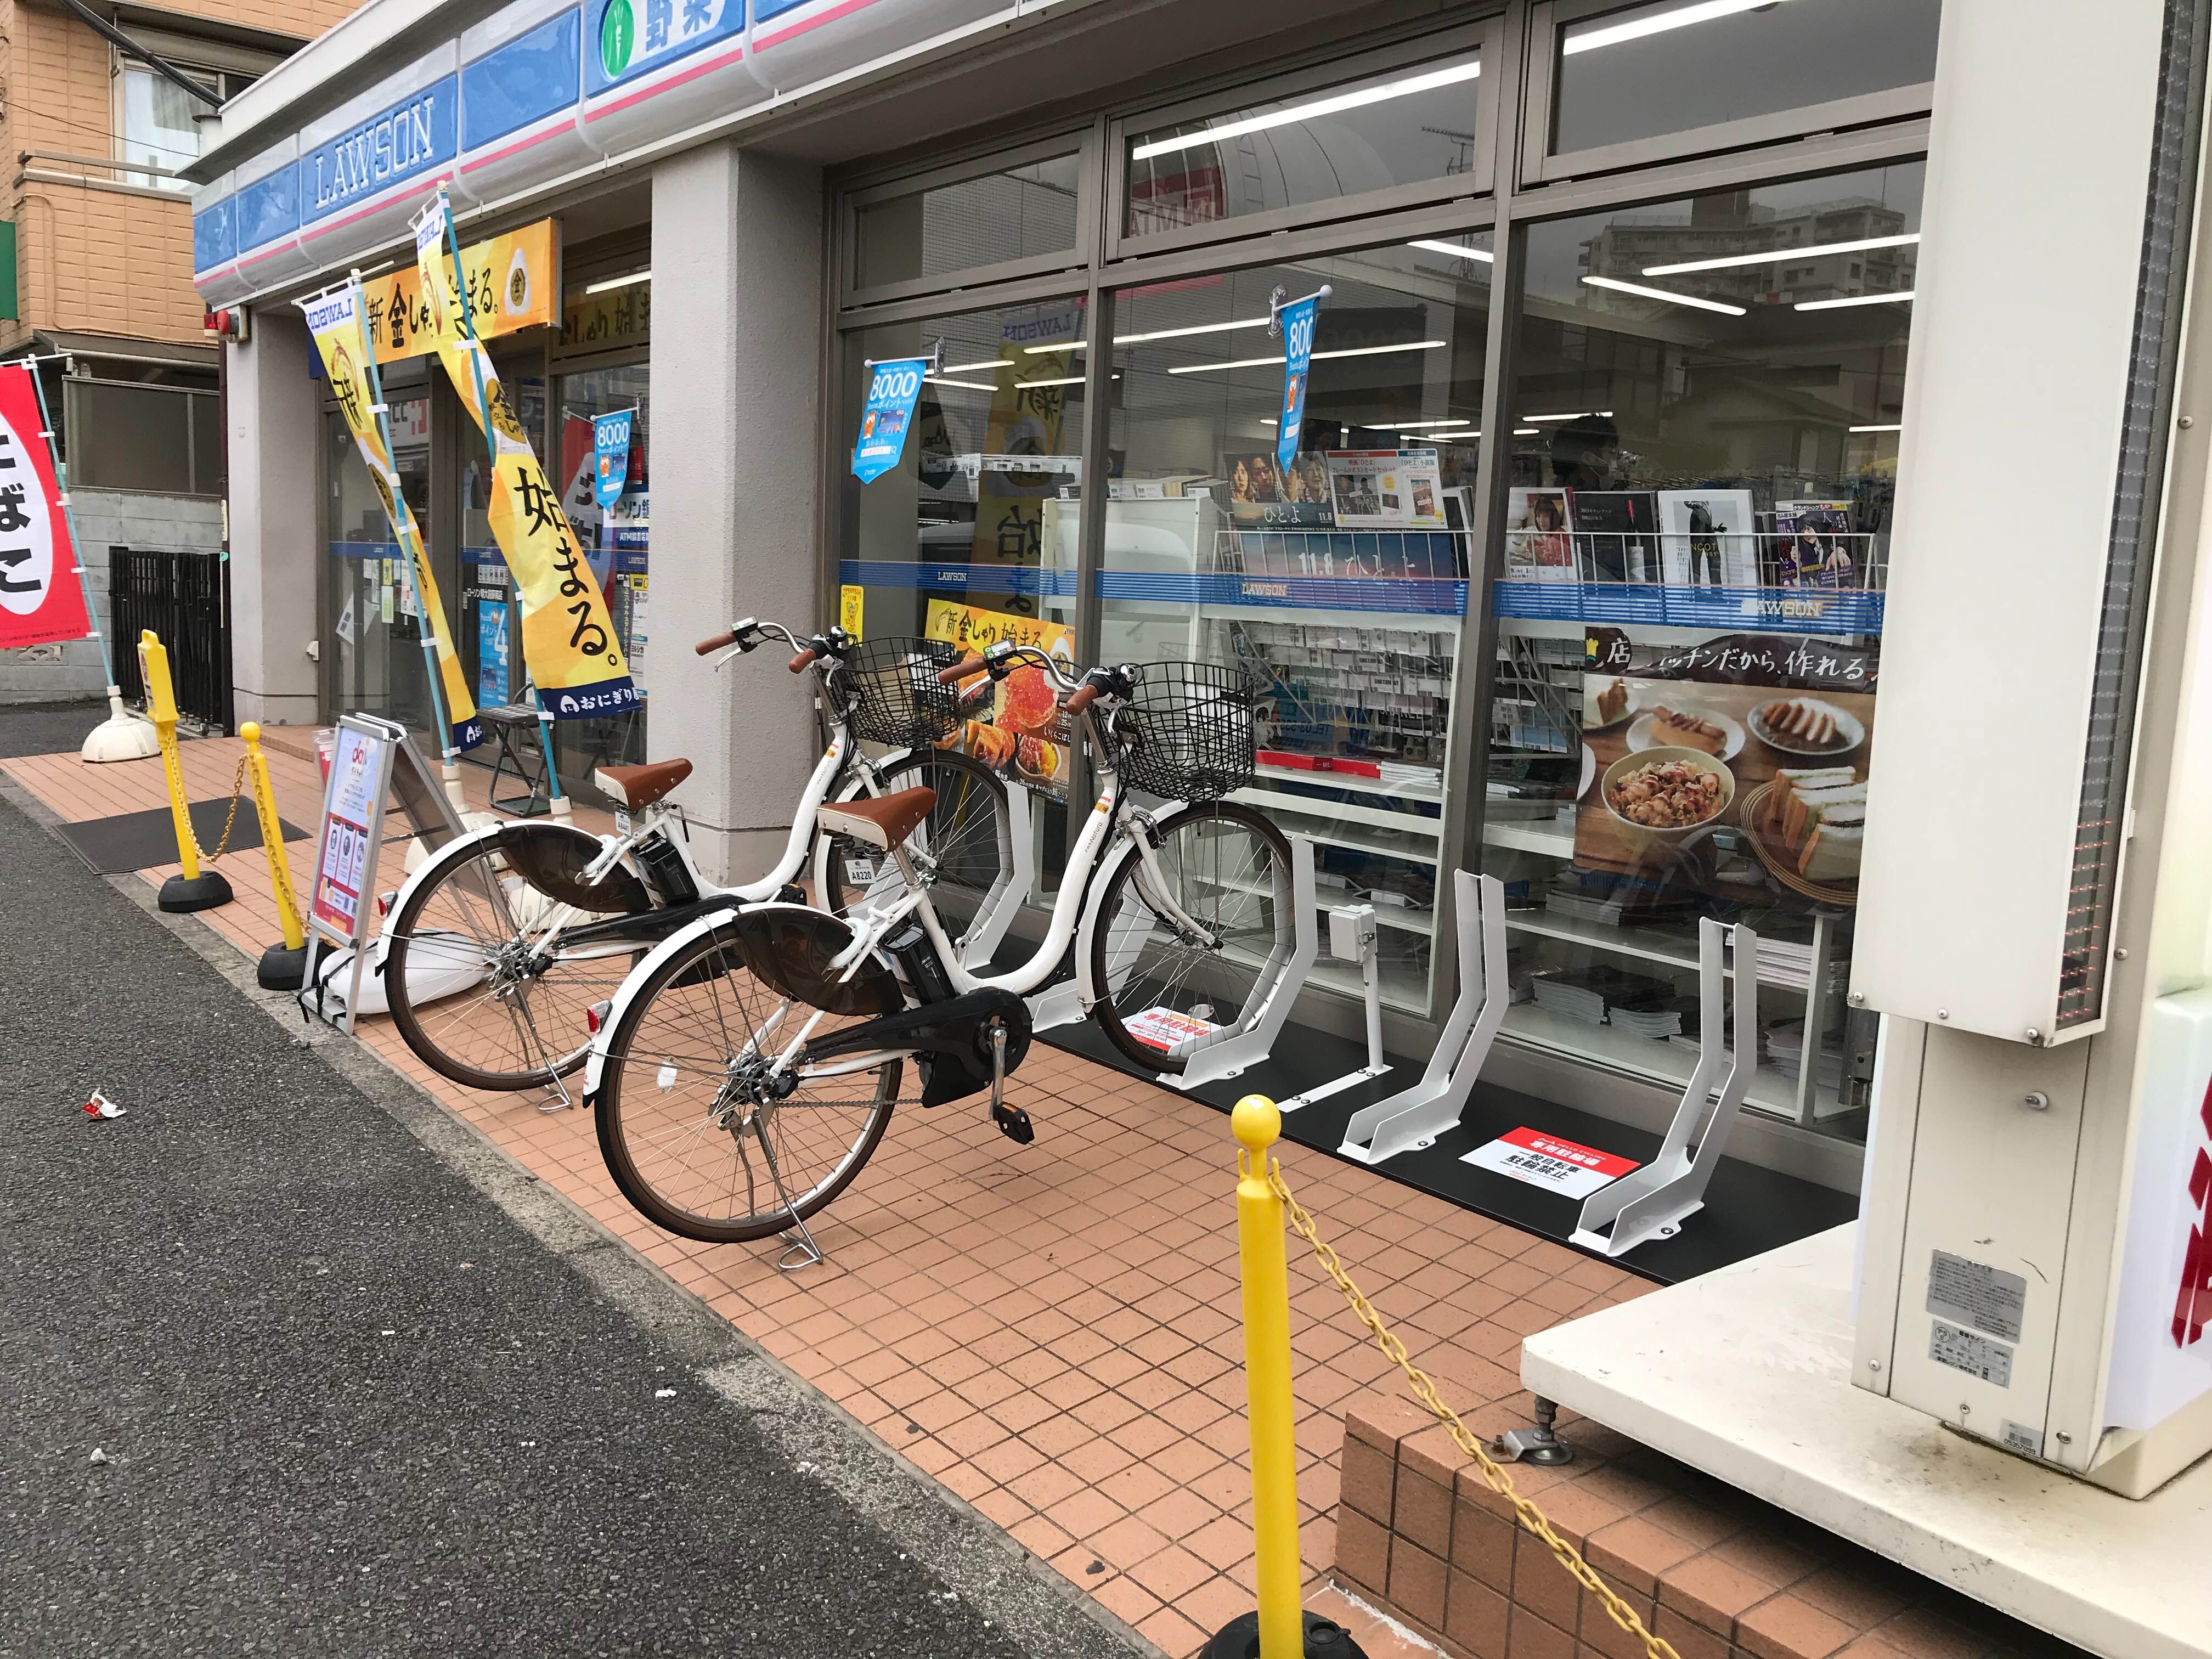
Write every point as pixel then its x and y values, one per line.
pixel 1814 544
pixel 1617 534
pixel 1386 488
pixel 1263 494
pixel 1538 546
pixel 1735 766
pixel 1706 540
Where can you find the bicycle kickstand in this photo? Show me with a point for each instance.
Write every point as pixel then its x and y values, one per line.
pixel 1014 1124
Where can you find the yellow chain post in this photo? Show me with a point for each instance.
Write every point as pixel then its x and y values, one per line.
pixel 283 966
pixel 1531 1518
pixel 193 889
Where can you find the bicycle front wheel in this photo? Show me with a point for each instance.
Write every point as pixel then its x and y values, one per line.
pixel 701 1140
pixel 1188 952
pixel 473 989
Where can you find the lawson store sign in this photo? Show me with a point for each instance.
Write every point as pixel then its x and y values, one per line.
pixel 538 93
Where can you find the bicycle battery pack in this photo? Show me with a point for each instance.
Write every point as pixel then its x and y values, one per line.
pixel 664 868
pixel 790 948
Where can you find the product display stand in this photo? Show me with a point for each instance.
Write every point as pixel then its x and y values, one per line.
pixel 1653 1202
pixel 1413 1118
pixel 1351 938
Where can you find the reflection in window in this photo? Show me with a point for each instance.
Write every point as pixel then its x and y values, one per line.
pixel 1011 215
pixel 1709 397
pixel 1650 70
pixel 1415 122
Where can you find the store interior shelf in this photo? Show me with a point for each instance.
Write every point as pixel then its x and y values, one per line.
pixel 1542 835
pixel 1647 944
pixel 1771 1091
pixel 1352 783
pixel 1345 812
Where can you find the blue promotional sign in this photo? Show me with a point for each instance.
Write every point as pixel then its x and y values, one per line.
pixel 1298 324
pixel 491 653
pixel 887 416
pixel 611 455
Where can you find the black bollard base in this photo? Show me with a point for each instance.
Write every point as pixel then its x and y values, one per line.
pixel 284 968
pixel 181 893
pixel 1240 1639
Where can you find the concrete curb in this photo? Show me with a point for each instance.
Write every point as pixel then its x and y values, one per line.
pixel 1025 1597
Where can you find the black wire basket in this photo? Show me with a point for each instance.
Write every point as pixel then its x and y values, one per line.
pixel 887 692
pixel 1186 734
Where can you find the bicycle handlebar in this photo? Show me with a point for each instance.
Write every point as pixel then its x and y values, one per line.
pixel 799 664
pixel 1080 699
pixel 965 668
pixel 706 648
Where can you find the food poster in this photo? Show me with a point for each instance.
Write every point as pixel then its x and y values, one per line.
pixel 1013 726
pixel 1735 766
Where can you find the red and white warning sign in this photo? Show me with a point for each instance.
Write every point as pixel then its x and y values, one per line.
pixel 1169 1030
pixel 1559 1166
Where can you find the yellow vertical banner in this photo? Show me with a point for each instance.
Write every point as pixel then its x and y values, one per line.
pixel 335 321
pixel 569 642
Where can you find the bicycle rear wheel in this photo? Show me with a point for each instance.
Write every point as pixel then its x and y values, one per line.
pixel 965 845
pixel 692 1127
pixel 470 992
pixel 1168 994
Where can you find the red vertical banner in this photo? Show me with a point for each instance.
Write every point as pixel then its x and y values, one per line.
pixel 41 600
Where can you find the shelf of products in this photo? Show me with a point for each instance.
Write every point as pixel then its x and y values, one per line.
pixel 1771 1091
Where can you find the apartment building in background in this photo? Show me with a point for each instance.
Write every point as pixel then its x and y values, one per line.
pixel 96 270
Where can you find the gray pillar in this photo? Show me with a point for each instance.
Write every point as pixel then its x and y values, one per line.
pixel 276 532
pixel 736 419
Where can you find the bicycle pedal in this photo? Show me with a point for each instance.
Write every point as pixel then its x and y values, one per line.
pixel 1014 1123
pixel 791 893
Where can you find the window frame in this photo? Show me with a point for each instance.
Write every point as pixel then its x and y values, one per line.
pixel 1540 165
pixel 1483 36
pixel 1081 142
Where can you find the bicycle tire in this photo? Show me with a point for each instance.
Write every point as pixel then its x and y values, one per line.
pixel 663 1033
pixel 450 1036
pixel 1249 907
pixel 954 833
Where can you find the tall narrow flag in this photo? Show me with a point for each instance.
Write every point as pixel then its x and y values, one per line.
pixel 569 642
pixel 41 600
pixel 1297 324
pixel 887 415
pixel 335 321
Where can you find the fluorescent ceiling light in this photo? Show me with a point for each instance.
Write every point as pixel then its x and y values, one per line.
pixel 1451 435
pixel 1528 431
pixel 645 276
pixel 1070 380
pixel 1269 420
pixel 1704 13
pixel 1458 249
pixel 1333 105
pixel 1355 351
pixel 1854 299
pixel 1899 428
pixel 1182 333
pixel 1415 426
pixel 1661 294
pixel 1057 345
pixel 965 386
pixel 1774 255
pixel 987 362
pixel 1579 415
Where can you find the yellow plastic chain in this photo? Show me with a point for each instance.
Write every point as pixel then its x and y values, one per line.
pixel 230 818
pixel 1530 1517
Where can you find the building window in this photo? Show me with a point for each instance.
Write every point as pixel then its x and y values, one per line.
pixel 158 122
pixel 1010 217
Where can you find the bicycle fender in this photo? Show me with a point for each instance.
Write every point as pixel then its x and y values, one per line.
pixel 1119 855
pixel 638 975
pixel 407 887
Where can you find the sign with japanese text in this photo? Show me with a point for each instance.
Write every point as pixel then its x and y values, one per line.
pixel 1297 320
pixel 887 415
pixel 625 39
pixel 613 317
pixel 1564 1167
pixel 570 646
pixel 610 454
pixel 361 769
pixel 335 321
pixel 1015 726
pixel 41 600
pixel 510 284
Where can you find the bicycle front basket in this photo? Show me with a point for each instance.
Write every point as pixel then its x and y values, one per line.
pixel 1186 734
pixel 891 694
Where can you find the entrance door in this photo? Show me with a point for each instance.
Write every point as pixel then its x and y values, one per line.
pixel 372 637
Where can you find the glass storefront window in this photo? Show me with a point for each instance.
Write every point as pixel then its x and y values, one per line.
pixel 1338 581
pixel 970 538
pixel 618 539
pixel 1690 606
pixel 1682 66
pixel 1414 121
pixel 1016 213
pixel 369 619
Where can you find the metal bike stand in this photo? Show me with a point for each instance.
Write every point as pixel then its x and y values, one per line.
pixel 1413 1118
pixel 1255 1040
pixel 1653 1202
pixel 995 917
pixel 1351 938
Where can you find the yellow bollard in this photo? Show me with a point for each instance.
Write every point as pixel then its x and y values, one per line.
pixel 282 966
pixel 1282 1629
pixel 191 891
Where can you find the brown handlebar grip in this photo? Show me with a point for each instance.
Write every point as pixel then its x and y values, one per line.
pixel 966 668
pixel 707 646
pixel 1080 699
pixel 799 663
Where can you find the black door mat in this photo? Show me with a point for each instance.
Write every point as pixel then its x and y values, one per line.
pixel 140 840
pixel 1748 1210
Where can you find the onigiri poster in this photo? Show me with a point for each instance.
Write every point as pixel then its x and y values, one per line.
pixel 1013 726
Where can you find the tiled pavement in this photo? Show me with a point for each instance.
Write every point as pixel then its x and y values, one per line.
pixel 1051 1331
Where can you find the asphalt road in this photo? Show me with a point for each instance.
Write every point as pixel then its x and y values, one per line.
pixel 277 1377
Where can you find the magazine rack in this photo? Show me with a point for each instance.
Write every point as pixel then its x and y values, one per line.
pixel 1413 1118
pixel 1653 1202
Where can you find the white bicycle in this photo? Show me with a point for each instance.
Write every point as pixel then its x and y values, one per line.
pixel 750 1068
pixel 538 923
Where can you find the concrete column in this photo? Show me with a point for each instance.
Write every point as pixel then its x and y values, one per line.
pixel 276 530
pixel 736 444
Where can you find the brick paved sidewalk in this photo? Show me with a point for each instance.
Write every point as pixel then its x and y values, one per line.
pixel 1051 1331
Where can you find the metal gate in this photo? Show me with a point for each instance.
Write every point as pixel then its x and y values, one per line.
pixel 183 596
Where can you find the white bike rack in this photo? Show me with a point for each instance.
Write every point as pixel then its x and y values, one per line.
pixel 1653 1202
pixel 1255 1041
pixel 1413 1118
pixel 994 917
pixel 1351 938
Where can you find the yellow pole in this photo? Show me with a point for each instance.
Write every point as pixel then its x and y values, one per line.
pixel 162 709
pixel 272 837
pixel 1257 1124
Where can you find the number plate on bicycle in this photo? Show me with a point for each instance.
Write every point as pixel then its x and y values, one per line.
pixel 622 822
pixel 860 872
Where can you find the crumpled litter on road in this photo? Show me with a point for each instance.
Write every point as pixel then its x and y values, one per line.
pixel 100 1106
